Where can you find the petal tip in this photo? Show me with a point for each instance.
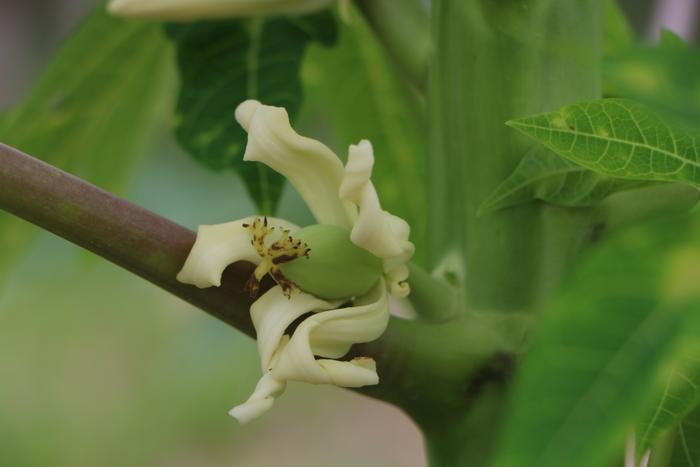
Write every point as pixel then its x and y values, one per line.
pixel 245 111
pixel 251 410
pixel 362 148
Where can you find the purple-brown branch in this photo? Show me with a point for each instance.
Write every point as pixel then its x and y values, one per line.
pixel 410 355
pixel 132 237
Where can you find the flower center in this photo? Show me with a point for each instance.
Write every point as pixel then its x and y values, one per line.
pixel 273 253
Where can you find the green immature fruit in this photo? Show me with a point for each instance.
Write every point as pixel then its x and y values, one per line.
pixel 335 268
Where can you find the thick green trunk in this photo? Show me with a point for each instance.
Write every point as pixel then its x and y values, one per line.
pixel 495 60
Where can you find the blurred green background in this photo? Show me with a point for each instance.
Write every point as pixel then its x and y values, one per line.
pixel 98 367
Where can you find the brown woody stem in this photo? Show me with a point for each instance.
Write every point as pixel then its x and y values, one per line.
pixel 134 238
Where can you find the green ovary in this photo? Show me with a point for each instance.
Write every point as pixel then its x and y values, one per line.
pixel 336 268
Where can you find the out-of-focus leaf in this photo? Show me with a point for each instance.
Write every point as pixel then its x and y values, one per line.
pixel 617 33
pixel 680 395
pixel 686 449
pixel 93 108
pixel 223 63
pixel 618 138
pixel 544 176
pixel 603 348
pixel 665 77
pixel 358 95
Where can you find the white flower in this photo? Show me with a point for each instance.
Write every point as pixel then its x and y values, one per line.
pixel 191 10
pixel 338 196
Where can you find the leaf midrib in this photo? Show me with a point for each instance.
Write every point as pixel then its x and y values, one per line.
pixel 518 125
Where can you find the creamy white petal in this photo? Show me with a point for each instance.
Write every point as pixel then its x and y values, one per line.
pixel 358 171
pixel 375 230
pixel 266 391
pixel 219 245
pixel 356 373
pixel 335 330
pixel 190 10
pixel 273 313
pixel 311 167
pixel 363 322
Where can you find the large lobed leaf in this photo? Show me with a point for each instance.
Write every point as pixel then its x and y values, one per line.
pixel 92 110
pixel 223 63
pixel 604 347
pixel 618 138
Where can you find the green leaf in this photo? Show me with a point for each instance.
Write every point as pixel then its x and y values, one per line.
pixel 665 77
pixel 603 347
pixel 542 175
pixel 223 63
pixel 93 109
pixel 356 94
pixel 618 138
pixel 686 449
pixel 679 396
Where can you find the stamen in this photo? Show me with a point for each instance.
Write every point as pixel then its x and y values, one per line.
pixel 282 251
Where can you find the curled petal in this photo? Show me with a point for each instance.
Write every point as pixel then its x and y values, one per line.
pixel 266 391
pixel 190 10
pixel 339 329
pixel 311 167
pixel 375 230
pixel 274 312
pixel 264 395
pixel 219 245
pixel 358 171
pixel 331 333
pixel 397 281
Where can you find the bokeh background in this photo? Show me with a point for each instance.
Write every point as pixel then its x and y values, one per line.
pixel 98 368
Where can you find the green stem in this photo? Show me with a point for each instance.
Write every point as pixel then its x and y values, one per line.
pixel 435 300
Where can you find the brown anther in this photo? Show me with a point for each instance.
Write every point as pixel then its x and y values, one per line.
pixel 283 250
pixel 282 259
pixel 285 284
pixel 252 286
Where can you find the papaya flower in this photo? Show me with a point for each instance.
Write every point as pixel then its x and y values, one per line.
pixel 334 278
pixel 193 10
